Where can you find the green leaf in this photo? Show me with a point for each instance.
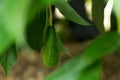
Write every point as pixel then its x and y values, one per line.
pixel 35 31
pixel 12 21
pixel 98 14
pixel 61 47
pixel 14 16
pixel 70 13
pixel 99 48
pixel 8 59
pixel 91 73
pixel 5 39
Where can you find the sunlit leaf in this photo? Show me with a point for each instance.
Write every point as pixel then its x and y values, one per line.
pixel 12 23
pixel 70 13
pixel 99 48
pixel 8 58
pixel 5 39
pixel 14 16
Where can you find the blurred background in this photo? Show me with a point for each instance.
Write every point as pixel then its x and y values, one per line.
pixel 75 37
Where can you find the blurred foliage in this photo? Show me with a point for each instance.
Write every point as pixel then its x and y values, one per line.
pixel 15 15
pixel 35 30
pixel 73 68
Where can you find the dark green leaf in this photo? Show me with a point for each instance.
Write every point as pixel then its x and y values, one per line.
pixel 98 14
pixel 35 7
pixel 99 48
pixel 8 58
pixel 35 31
pixel 70 13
